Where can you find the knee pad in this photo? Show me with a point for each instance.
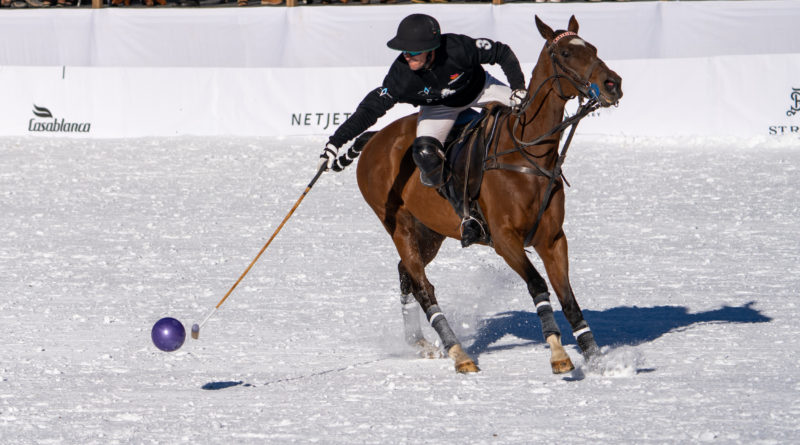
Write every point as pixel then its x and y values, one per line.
pixel 428 154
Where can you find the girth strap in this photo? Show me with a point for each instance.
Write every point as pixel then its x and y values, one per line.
pixel 519 169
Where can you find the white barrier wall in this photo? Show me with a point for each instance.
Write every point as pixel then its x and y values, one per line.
pixel 688 68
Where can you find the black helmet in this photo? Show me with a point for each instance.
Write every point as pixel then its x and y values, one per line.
pixel 417 32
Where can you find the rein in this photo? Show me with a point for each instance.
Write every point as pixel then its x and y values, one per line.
pixel 587 89
pixel 585 109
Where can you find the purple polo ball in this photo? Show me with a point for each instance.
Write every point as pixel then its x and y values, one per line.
pixel 168 334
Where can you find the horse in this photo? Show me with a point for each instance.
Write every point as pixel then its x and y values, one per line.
pixel 522 197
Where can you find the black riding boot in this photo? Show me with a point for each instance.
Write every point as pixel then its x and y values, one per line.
pixel 428 154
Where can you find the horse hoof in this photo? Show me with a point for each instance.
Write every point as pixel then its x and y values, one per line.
pixel 562 366
pixel 464 362
pixel 466 367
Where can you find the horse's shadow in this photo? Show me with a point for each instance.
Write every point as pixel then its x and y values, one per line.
pixel 619 326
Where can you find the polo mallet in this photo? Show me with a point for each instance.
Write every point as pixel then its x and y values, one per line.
pixel 196 327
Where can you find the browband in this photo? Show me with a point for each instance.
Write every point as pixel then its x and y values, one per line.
pixel 562 35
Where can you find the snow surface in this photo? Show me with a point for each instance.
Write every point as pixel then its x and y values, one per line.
pixel 685 256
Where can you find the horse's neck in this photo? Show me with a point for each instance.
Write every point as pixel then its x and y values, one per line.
pixel 545 112
pixel 547 107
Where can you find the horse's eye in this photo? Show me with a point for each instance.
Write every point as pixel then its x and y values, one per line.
pixel 564 54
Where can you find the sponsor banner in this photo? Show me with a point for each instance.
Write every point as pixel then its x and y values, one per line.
pixel 355 36
pixel 720 96
pixel 136 102
pixel 302 71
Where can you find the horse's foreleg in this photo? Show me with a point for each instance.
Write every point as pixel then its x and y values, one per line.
pixel 559 359
pixel 556 262
pixel 514 255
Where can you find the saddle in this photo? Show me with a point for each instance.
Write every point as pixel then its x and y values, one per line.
pixel 466 149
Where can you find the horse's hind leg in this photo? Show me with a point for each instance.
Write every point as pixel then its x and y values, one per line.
pixel 556 262
pixel 429 242
pixel 410 308
pixel 513 253
pixel 417 246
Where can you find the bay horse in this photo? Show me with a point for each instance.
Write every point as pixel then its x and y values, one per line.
pixel 522 208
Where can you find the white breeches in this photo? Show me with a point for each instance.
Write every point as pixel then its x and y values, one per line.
pixel 437 120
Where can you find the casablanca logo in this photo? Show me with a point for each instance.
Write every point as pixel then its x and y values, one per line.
pixel 55 125
pixel 794 108
pixel 42 112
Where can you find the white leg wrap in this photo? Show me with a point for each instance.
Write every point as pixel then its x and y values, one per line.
pixel 411 316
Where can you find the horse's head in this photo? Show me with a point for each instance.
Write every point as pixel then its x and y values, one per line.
pixel 578 70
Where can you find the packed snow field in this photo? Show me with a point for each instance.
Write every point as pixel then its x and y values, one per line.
pixel 685 256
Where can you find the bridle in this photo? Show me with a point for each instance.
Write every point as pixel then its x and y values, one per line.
pixel 581 83
pixel 585 88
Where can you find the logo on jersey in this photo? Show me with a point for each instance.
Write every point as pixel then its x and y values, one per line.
pixel 425 91
pixel 484 44
pixel 383 92
pixel 454 77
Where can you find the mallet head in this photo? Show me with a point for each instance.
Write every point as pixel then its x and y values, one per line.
pixel 195 331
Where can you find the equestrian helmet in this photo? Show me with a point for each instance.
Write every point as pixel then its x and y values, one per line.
pixel 417 33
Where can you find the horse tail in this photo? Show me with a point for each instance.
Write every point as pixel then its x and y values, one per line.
pixel 352 153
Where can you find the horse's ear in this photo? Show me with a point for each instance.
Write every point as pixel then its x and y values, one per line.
pixel 573 24
pixel 544 30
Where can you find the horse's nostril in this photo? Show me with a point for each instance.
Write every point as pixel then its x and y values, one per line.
pixel 610 85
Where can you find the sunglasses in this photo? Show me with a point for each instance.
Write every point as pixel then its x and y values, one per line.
pixel 412 53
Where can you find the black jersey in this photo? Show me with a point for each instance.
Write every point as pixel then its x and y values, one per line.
pixel 455 78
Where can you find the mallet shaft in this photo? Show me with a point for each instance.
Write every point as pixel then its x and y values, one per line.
pixel 322 168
